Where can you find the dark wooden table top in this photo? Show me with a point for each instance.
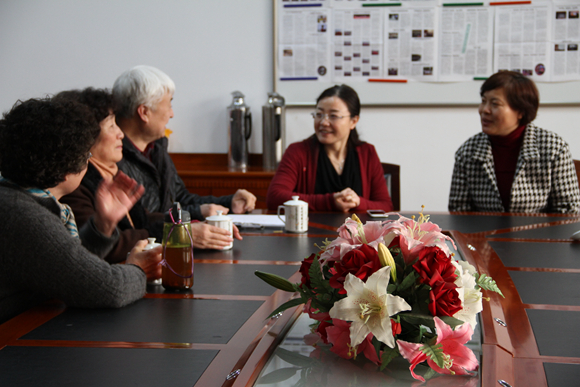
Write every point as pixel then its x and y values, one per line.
pixel 199 337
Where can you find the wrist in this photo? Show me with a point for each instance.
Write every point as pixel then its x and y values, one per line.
pixel 103 226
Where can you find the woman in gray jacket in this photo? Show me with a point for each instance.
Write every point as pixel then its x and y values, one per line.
pixel 44 149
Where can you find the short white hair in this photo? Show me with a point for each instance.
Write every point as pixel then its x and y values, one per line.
pixel 141 85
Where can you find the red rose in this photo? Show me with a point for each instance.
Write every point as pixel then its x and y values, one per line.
pixel 360 262
pixel 444 300
pixel 434 267
pixel 321 331
pixel 304 268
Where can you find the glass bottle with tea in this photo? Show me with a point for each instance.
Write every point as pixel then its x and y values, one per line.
pixel 177 270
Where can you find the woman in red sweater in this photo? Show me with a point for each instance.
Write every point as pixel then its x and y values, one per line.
pixel 332 170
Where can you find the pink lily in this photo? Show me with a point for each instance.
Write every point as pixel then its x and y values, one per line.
pixel 459 359
pixel 415 235
pixel 350 238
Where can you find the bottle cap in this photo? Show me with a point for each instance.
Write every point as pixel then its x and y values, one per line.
pixel 176 214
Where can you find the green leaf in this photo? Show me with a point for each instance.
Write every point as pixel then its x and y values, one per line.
pixel 315 274
pixel 377 344
pixel 451 321
pixel 277 281
pixel 418 319
pixel 278 375
pixel 388 355
pixel 409 281
pixel 430 373
pixel 486 282
pixel 295 358
pixel 287 305
pixel 435 353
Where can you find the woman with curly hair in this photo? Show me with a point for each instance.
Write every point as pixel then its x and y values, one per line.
pixel 44 148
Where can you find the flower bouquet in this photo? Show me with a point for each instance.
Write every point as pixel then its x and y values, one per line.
pixel 389 289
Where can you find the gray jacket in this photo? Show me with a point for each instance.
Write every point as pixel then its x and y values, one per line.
pixel 40 260
pixel 163 186
pixel 545 178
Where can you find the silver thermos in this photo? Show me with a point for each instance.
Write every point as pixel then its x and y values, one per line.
pixel 240 129
pixel 274 131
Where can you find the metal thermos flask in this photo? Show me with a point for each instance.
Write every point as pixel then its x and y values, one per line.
pixel 240 129
pixel 273 131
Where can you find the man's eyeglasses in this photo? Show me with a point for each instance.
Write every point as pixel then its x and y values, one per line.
pixel 331 117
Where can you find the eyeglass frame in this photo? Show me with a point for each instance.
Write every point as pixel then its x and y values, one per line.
pixel 327 116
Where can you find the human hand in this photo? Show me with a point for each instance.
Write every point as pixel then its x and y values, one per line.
pixel 211 209
pixel 206 236
pixel 346 199
pixel 148 260
pixel 243 201
pixel 113 200
pixel 236 232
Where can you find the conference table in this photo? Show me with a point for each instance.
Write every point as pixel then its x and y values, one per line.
pixel 219 333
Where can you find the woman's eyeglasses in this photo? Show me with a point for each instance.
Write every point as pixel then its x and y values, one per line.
pixel 331 117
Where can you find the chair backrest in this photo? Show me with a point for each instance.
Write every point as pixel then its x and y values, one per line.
pixel 392 176
pixel 577 165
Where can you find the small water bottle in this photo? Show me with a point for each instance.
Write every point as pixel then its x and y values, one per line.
pixel 177 270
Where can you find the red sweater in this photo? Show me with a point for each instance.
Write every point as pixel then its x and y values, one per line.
pixel 296 175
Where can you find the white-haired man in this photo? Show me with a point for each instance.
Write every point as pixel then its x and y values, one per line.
pixel 144 94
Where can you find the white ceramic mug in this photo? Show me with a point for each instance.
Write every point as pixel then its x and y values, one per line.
pixel 224 222
pixel 150 246
pixel 296 213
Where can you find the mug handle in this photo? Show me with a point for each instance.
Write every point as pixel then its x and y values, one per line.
pixel 281 208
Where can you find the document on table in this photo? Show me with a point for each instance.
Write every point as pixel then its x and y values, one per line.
pixel 256 221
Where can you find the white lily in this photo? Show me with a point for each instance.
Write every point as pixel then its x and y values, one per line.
pixel 471 298
pixel 369 307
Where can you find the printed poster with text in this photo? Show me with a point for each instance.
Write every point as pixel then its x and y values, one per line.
pixel 565 41
pixel 521 41
pixel 304 44
pixel 357 45
pixel 465 43
pixel 411 43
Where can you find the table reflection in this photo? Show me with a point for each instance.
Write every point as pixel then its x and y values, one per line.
pixel 294 363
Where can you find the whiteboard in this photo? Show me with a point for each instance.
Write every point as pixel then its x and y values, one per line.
pixel 301 93
pixel 305 92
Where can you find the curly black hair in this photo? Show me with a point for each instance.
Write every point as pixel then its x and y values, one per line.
pixel 100 101
pixel 44 140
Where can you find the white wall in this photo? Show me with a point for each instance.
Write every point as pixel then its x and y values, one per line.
pixel 423 140
pixel 211 48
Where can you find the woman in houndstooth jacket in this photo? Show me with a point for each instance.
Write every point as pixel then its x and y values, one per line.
pixel 513 166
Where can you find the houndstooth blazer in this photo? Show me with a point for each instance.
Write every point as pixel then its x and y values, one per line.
pixel 545 179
